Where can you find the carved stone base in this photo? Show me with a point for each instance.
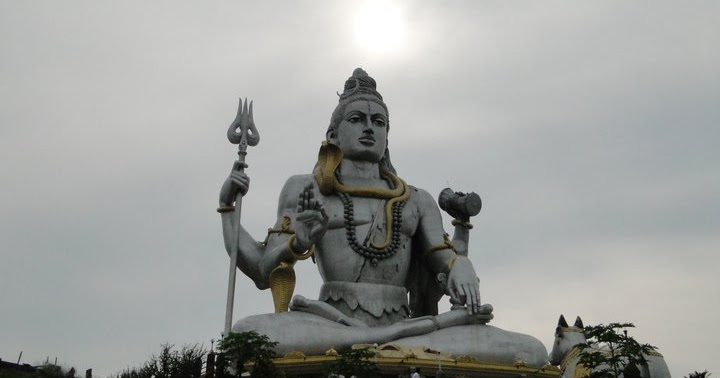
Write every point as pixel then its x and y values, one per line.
pixel 394 360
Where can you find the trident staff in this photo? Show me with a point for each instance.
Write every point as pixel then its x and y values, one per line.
pixel 243 133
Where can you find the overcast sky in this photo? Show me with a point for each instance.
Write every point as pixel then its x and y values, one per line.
pixel 590 130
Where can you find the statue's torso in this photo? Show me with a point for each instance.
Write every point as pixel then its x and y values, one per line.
pixel 336 259
pixel 373 290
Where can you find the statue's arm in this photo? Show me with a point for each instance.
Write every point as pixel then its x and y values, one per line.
pixel 462 281
pixel 430 236
pixel 257 260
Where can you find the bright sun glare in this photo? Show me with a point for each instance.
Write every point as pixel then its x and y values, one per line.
pixel 379 26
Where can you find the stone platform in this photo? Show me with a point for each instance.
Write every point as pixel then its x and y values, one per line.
pixel 394 361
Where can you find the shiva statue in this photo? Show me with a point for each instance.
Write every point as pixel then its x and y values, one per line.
pixel 379 245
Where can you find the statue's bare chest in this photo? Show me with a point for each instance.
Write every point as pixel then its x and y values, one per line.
pixel 368 214
pixel 365 222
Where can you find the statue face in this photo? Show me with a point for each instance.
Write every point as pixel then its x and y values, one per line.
pixel 362 132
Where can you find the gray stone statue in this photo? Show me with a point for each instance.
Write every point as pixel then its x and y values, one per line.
pixel 379 245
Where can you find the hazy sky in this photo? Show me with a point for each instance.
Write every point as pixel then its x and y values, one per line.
pixel 590 130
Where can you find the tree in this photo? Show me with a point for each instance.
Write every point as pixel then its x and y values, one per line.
pixel 244 347
pixel 610 353
pixel 185 363
pixel 356 362
pixel 170 363
pixel 46 370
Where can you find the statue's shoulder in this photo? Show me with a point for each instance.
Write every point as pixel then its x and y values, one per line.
pixel 299 182
pixel 420 196
pixel 294 185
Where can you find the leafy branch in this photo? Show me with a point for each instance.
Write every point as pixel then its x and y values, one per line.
pixel 610 353
pixel 244 347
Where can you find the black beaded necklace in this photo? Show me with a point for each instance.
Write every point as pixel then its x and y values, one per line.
pixel 370 251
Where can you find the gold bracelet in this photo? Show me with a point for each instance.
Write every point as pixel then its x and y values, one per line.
pixel 225 209
pixel 452 261
pixel 466 225
pixel 300 256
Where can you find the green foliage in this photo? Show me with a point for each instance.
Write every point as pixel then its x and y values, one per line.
pixel 609 352
pixel 355 362
pixel 43 371
pixel 132 373
pixel 14 373
pixel 221 366
pixel 244 347
pixel 51 371
pixel 170 363
pixel 698 374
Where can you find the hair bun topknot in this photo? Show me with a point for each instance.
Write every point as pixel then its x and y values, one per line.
pixel 360 82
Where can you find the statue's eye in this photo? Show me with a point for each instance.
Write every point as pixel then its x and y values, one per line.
pixel 379 122
pixel 354 119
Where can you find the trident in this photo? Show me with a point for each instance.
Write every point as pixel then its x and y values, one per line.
pixel 243 133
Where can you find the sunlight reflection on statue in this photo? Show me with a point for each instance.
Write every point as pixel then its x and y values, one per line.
pixel 375 240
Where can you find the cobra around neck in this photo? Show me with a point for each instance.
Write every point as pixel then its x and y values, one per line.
pixel 330 158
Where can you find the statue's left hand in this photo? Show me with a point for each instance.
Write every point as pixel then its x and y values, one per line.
pixel 311 221
pixel 463 286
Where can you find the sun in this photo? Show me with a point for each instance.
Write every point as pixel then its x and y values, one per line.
pixel 379 26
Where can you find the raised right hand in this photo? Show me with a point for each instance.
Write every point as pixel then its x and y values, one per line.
pixel 311 221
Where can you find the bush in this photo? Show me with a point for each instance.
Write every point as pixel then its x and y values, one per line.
pixel 355 362
pixel 240 348
pixel 170 363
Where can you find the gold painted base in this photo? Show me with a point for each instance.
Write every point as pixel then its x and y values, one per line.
pixel 394 361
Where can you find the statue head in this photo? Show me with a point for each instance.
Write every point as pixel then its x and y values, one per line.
pixel 360 88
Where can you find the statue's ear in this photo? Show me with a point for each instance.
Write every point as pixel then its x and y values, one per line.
pixel 331 136
pixel 578 323
pixel 562 322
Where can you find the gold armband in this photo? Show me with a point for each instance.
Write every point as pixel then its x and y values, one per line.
pixel 302 255
pixel 466 225
pixel 225 209
pixel 284 229
pixel 447 244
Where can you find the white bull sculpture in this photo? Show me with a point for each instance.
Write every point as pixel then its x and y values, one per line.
pixel 566 355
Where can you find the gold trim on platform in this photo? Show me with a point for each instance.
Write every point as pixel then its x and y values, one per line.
pixel 392 359
pixel 394 365
pixel 294 355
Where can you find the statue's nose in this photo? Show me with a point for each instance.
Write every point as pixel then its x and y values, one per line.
pixel 367 126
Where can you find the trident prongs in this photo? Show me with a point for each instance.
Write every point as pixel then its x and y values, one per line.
pixel 242 131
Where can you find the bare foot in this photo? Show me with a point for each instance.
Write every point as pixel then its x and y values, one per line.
pixel 302 304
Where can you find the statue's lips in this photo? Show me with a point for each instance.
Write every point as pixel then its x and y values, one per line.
pixel 369 141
